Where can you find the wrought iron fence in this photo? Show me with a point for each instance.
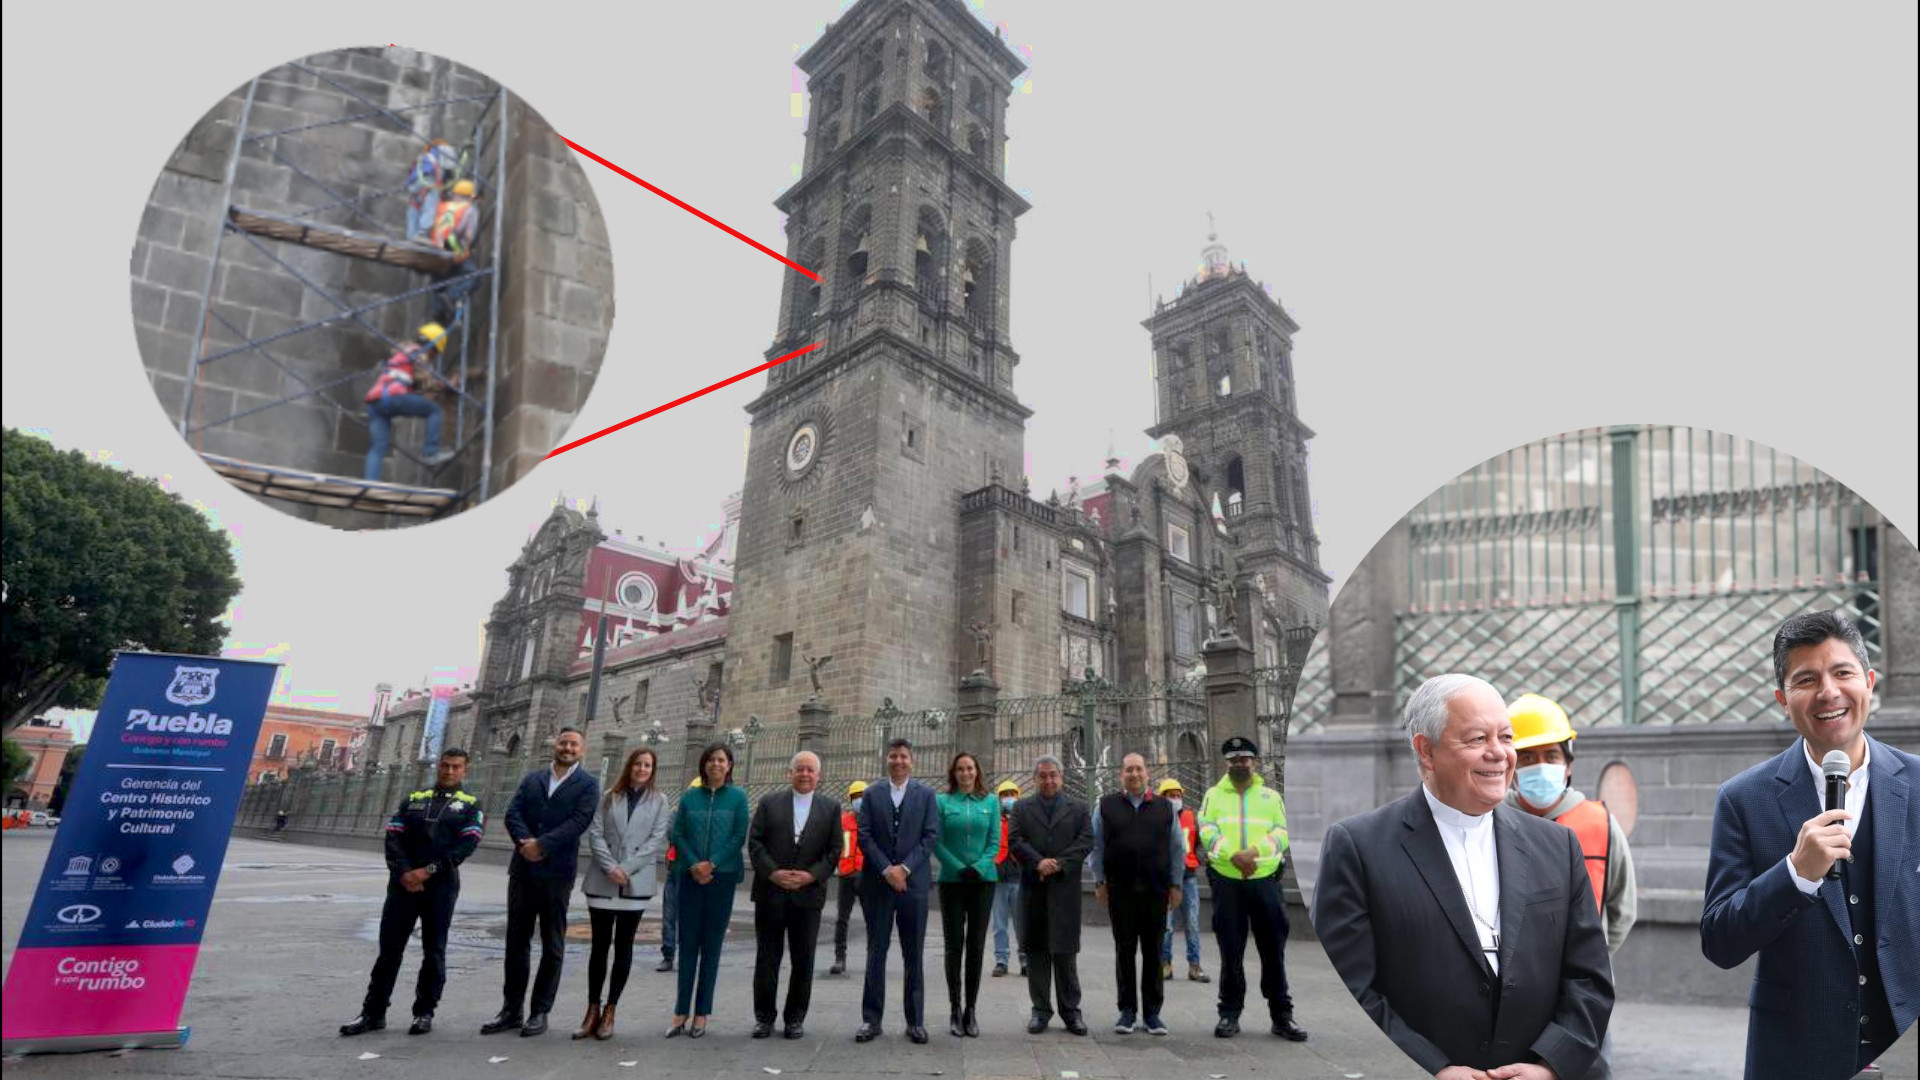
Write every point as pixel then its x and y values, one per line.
pixel 1632 573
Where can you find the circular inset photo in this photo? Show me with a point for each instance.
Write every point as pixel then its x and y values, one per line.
pixel 372 287
pixel 1563 754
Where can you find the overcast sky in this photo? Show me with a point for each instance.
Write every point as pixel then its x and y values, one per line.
pixel 1493 222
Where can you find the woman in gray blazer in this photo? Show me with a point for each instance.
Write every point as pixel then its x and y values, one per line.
pixel 628 835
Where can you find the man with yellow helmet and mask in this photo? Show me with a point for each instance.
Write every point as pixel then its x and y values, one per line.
pixel 1543 787
pixel 848 871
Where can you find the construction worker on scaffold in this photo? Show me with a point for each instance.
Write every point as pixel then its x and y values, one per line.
pixel 399 392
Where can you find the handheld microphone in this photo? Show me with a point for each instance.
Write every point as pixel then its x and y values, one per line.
pixel 1835 768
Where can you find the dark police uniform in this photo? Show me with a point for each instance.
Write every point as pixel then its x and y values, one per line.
pixel 434 828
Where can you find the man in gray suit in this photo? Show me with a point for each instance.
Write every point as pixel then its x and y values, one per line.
pixel 1467 928
pixel 793 842
pixel 1052 835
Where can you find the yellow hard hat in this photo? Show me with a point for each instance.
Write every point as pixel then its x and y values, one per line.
pixel 1170 784
pixel 1007 787
pixel 1538 721
pixel 856 789
pixel 432 334
pixel 694 783
pixel 463 188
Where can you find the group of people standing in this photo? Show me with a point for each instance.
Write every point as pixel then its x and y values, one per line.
pixel 993 857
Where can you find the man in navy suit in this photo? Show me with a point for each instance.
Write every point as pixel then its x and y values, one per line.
pixel 549 811
pixel 1838 977
pixel 900 823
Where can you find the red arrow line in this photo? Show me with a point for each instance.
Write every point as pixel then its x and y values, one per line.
pixel 709 219
pixel 729 381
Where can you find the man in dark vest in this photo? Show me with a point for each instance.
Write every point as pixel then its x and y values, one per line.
pixel 1051 834
pixel 549 811
pixel 1817 896
pixel 1139 856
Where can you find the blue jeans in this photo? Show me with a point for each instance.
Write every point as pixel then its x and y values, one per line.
pixel 420 218
pixel 1190 908
pixel 380 414
pixel 669 913
pixel 1006 908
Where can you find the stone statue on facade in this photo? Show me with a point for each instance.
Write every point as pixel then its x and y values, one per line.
pixel 983 646
pixel 814 664
pixel 1223 595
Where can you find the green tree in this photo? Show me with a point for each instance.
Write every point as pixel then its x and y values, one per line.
pixel 17 760
pixel 95 560
pixel 69 768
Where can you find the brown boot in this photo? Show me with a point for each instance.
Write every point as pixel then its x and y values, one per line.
pixel 588 1024
pixel 605 1028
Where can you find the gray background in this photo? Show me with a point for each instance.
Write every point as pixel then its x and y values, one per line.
pixel 1494 222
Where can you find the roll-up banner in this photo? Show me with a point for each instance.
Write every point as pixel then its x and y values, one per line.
pixel 110 941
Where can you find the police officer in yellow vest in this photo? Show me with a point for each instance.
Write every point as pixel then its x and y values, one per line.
pixel 1243 831
pixel 428 837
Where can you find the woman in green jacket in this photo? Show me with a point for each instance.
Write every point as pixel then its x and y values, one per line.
pixel 969 839
pixel 709 831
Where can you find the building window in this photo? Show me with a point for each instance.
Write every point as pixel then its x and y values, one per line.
pixel 640 696
pixel 327 747
pixel 1186 616
pixel 1179 542
pixel 277 746
pixel 1019 612
pixel 1078 596
pixel 636 592
pixel 913 438
pixel 782 659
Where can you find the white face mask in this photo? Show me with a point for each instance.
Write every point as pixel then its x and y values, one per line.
pixel 1543 784
pixel 1006 802
pixel 1176 803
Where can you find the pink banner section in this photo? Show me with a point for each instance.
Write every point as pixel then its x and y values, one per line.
pixel 86 990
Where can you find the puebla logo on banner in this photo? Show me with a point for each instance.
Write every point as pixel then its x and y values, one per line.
pixel 110 940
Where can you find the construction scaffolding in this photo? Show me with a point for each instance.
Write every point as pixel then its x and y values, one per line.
pixel 483 159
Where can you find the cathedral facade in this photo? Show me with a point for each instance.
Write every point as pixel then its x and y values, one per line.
pixel 885 545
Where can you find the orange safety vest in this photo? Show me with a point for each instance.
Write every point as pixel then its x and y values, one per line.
pixel 397 376
pixel 1589 822
pixel 1000 857
pixel 851 860
pixel 1193 839
pixel 450 222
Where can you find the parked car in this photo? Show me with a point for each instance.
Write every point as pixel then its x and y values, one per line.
pixel 37 817
pixel 53 821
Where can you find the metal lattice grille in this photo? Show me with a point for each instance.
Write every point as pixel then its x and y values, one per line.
pixel 1630 573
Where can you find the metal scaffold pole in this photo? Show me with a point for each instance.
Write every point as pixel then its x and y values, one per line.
pixel 493 304
pixel 213 261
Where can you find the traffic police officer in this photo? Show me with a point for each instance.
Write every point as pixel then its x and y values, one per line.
pixel 428 838
pixel 1243 827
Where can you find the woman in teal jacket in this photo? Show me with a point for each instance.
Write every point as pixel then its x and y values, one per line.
pixel 709 831
pixel 969 839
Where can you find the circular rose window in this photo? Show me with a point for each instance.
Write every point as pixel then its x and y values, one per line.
pixel 802 447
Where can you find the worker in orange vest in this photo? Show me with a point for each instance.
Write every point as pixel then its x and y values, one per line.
pixel 1006 892
pixel 454 231
pixel 1187 915
pixel 398 392
pixel 1544 736
pixel 848 871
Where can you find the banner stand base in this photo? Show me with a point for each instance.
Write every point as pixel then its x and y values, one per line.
pixel 74 1044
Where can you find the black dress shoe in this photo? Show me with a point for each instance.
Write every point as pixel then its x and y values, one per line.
pixel 1288 1030
pixel 1227 1028
pixel 917 1033
pixel 1076 1026
pixel 1037 1023
pixel 968 1025
pixel 507 1020
pixel 763 1029
pixel 421 1025
pixel 794 1030
pixel 536 1025
pixel 954 1027
pixel 695 1031
pixel 362 1024
pixel 867 1033
pixel 677 1030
